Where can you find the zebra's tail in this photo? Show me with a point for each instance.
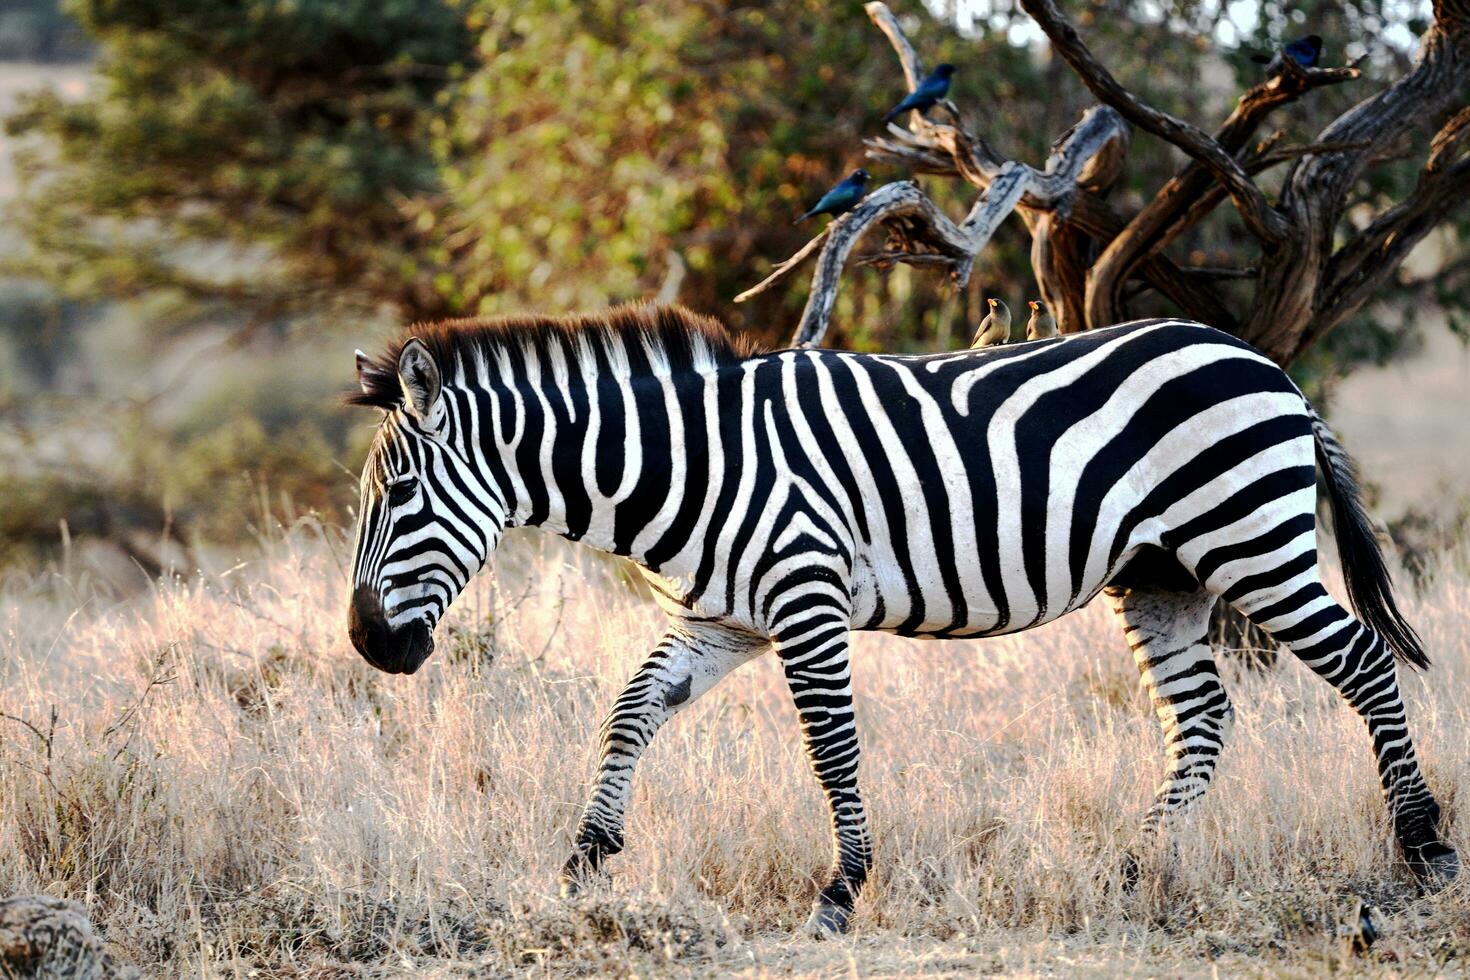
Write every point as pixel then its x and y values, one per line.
pixel 1368 585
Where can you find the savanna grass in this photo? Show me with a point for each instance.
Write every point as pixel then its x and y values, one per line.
pixel 227 787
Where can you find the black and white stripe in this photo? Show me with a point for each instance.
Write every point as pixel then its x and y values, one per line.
pixel 781 500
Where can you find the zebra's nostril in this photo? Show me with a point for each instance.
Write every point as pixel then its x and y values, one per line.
pixel 396 650
pixel 366 626
pixel 365 604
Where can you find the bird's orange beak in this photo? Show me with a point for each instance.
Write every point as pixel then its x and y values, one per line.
pixel 1032 304
pixel 991 302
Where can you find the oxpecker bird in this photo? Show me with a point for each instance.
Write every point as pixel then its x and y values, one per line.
pixel 1042 324
pixel 1305 51
pixel 934 87
pixel 995 328
pixel 841 198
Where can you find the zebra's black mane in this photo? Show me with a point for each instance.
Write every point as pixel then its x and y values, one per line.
pixel 682 336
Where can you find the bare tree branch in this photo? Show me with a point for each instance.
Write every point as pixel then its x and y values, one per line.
pixel 1061 250
pixel 1090 215
pixel 1088 258
pixel 884 20
pixel 1196 190
pixel 1220 272
pixel 783 269
pixel 1183 209
pixel 1259 217
pixel 1093 149
pixel 1297 301
pixel 883 260
pixel 921 227
pixel 891 202
pixel 1360 268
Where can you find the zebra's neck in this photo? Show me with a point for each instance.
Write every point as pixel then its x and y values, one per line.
pixel 598 448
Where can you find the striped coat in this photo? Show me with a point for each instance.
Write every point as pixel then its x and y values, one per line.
pixel 778 500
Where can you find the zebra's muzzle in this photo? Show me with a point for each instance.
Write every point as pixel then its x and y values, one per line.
pixel 400 650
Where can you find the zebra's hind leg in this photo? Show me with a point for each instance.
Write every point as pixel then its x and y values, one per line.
pixel 1357 662
pixel 1168 633
pixel 687 662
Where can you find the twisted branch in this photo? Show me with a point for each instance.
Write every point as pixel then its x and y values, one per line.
pixel 1084 253
pixel 923 234
pixel 927 234
pixel 1194 192
pixel 1262 220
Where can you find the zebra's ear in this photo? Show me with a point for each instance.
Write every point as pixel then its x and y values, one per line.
pixel 364 367
pixel 419 376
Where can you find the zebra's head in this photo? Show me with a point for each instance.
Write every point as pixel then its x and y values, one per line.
pixel 427 520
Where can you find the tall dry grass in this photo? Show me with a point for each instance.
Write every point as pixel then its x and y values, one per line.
pixel 232 791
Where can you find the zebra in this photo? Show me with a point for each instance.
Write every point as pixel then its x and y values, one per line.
pixel 779 500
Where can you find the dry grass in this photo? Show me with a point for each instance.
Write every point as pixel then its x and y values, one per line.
pixel 231 791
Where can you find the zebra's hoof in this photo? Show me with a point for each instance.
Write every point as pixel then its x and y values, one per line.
pixel 1435 868
pixel 827 921
pixel 1129 872
pixel 579 875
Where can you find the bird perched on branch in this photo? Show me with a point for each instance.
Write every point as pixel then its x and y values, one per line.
pixel 843 196
pixel 1305 51
pixel 1042 324
pixel 934 87
pixel 995 328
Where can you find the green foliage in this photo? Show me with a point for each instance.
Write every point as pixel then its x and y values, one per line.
pixel 221 482
pixel 267 158
pixel 469 156
pixel 36 504
pixel 270 165
pixel 614 135
pixel 252 152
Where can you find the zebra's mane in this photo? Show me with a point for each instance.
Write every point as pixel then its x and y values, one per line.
pixel 684 338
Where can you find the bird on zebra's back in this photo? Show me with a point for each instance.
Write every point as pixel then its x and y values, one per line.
pixel 778 500
pixel 934 87
pixel 995 328
pixel 1305 51
pixel 841 198
pixel 1042 324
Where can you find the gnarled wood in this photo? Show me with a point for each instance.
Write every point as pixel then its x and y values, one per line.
pixel 1088 259
pixel 1304 289
pixel 1194 192
pixel 924 230
pixel 1259 216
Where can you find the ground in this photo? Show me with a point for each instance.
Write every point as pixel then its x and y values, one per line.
pixel 229 790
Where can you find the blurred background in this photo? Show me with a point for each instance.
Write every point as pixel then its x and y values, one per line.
pixel 205 205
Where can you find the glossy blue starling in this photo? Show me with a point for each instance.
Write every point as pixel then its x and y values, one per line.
pixel 841 198
pixel 1305 51
pixel 934 87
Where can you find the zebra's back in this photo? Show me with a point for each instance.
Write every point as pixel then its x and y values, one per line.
pixel 993 490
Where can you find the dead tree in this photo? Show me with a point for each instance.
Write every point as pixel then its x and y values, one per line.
pixel 1309 272
pixel 1312 268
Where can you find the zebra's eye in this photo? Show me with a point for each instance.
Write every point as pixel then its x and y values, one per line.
pixel 401 492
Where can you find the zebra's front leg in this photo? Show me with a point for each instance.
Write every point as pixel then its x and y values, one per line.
pixel 813 651
pixel 688 661
pixel 1168 633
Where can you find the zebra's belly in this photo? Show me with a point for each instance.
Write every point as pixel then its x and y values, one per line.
pixel 909 602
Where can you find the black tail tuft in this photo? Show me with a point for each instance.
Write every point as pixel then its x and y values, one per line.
pixel 1368 585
